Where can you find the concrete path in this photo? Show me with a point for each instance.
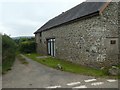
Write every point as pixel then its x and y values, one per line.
pixel 35 75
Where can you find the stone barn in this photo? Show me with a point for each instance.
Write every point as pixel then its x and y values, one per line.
pixel 87 35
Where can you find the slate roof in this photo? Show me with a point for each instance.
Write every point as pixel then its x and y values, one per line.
pixel 81 10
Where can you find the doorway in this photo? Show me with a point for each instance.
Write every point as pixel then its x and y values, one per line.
pixel 51 47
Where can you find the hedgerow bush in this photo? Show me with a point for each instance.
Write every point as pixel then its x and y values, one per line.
pixel 8 53
pixel 27 47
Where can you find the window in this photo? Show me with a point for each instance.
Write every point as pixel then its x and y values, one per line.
pixel 40 40
pixel 40 34
pixel 113 42
pixel 112 45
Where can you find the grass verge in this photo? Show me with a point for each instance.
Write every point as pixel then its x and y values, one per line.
pixel 21 59
pixel 67 66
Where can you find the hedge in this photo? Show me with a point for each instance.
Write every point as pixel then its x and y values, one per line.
pixel 27 47
pixel 8 53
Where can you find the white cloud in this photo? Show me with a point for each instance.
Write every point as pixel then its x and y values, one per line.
pixel 26 22
pixel 43 1
pixel 4 29
pixel 21 17
pixel 18 30
pixel 58 1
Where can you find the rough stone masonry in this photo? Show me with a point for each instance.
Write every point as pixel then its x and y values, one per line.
pixel 93 42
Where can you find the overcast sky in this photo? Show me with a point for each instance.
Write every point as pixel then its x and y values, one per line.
pixel 24 17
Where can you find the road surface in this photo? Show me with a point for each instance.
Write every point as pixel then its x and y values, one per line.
pixel 36 75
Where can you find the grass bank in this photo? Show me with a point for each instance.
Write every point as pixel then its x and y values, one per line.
pixel 67 66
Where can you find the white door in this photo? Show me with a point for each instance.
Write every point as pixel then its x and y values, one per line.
pixel 51 47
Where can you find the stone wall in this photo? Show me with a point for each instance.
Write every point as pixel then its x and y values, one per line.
pixel 86 42
pixel 119 29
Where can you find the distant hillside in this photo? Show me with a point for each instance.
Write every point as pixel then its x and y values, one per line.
pixel 22 37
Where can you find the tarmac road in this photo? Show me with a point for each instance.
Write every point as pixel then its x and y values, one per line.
pixel 36 75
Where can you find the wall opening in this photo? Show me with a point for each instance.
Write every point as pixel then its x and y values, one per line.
pixel 112 45
pixel 51 47
pixel 113 42
pixel 40 34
